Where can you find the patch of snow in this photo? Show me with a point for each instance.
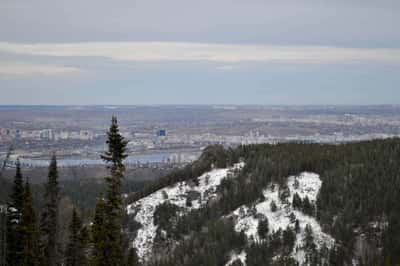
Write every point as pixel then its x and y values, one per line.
pixel 176 194
pixel 234 256
pixel 12 209
pixel 308 184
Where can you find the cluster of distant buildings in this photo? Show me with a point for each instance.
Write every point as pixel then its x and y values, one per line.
pixel 160 138
pixel 7 135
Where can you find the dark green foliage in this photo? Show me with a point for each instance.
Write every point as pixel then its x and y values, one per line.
pixel 215 155
pixel 165 217
pixel 75 254
pixel 111 247
pixel 5 187
pixel 263 228
pixel 188 202
pixel 210 246
pixel 307 207
pixel 17 196
pixel 3 234
pixel 312 254
pixel 14 214
pixel 85 192
pixel 284 192
pixel 292 218
pixel 337 256
pixel 392 239
pixel 297 226
pixel 132 259
pixel 49 221
pixel 116 152
pixel 278 246
pixel 30 232
pixel 309 238
pixel 288 238
pixel 259 253
pixel 99 235
pixel 273 206
pixel 297 203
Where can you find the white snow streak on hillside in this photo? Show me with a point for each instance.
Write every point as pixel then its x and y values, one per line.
pixel 177 193
pixel 234 257
pixel 309 185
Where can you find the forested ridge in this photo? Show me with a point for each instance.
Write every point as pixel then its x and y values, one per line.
pixel 358 202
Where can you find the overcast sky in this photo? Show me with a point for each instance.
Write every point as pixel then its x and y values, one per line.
pixel 199 52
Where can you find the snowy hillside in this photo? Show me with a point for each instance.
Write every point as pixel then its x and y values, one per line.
pixel 305 185
pixel 177 194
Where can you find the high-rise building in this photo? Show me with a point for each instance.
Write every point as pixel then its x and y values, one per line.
pixel 161 133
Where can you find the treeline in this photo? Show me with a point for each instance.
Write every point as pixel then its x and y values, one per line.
pixel 34 237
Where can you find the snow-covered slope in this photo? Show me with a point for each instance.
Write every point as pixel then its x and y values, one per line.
pixel 306 184
pixel 143 209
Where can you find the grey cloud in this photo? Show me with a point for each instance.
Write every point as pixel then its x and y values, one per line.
pixel 345 23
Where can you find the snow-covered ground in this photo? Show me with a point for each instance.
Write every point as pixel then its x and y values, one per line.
pixel 307 184
pixel 176 194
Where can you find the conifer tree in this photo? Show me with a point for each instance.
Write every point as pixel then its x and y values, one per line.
pixel 263 228
pixel 14 214
pixel 99 236
pixel 75 253
pixel 49 220
pixel 29 256
pixel 114 157
pixel 309 238
pixel 297 202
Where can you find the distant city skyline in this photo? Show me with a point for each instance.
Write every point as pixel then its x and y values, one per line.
pixel 302 52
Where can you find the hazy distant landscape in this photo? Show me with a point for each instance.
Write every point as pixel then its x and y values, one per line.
pixel 78 132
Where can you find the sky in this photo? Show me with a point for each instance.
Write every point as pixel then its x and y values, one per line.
pixel 74 52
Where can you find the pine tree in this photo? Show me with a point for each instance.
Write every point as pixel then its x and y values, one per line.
pixel 49 220
pixel 75 253
pixel 297 202
pixel 263 228
pixel 30 250
pixel 14 214
pixel 297 226
pixel 99 236
pixel 114 157
pixel 309 238
pixel 308 208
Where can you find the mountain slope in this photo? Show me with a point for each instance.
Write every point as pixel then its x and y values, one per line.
pixel 178 194
pixel 285 215
pixel 246 219
pixel 275 209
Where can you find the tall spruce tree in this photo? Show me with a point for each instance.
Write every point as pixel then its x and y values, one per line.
pixel 30 234
pixel 14 214
pixel 49 220
pixel 114 158
pixel 75 253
